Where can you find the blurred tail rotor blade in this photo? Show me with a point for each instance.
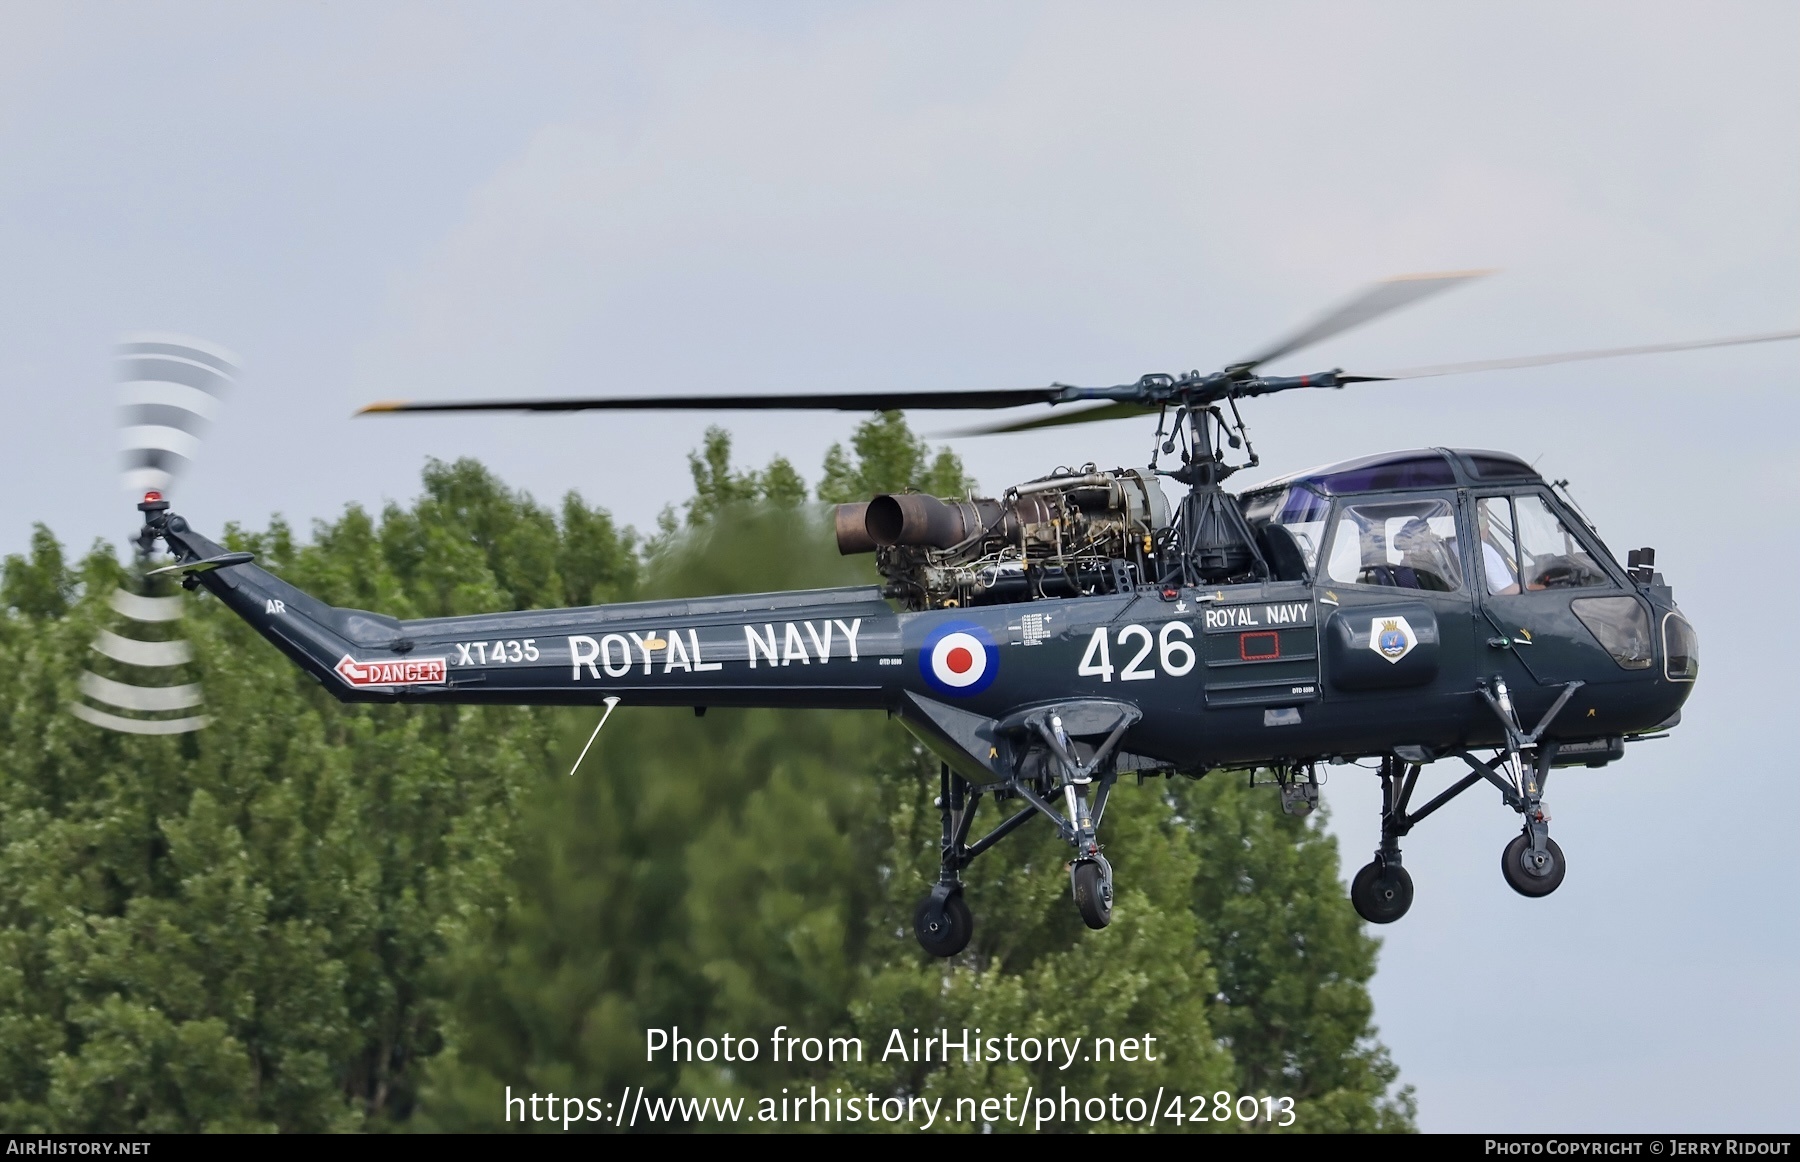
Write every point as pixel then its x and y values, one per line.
pixel 170 388
pixel 123 725
pixel 1369 304
pixel 146 692
pixel 1089 415
pixel 1568 357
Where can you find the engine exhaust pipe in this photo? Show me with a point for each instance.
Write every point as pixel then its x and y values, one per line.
pixel 851 522
pixel 912 518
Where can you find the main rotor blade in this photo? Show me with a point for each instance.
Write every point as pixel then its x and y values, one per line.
pixel 1369 304
pixel 862 401
pixel 1568 357
pixel 1088 415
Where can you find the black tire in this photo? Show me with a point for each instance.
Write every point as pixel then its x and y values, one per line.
pixel 1380 894
pixel 946 934
pixel 1519 875
pixel 1092 883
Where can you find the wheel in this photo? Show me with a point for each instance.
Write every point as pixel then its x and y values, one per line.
pixel 1092 882
pixel 944 934
pixel 1525 879
pixel 1381 894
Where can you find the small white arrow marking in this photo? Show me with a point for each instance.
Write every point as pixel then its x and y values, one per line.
pixel 611 701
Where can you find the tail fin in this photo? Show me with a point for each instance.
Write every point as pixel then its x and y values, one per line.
pixel 316 636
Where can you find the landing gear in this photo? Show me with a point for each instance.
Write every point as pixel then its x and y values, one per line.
pixel 1381 894
pixel 942 920
pixel 1052 766
pixel 943 927
pixel 1383 890
pixel 1532 863
pixel 1091 881
pixel 1532 872
pixel 1084 772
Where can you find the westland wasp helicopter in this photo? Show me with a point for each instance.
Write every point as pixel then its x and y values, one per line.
pixel 1405 607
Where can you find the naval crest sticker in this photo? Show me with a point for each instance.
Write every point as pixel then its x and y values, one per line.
pixel 1392 637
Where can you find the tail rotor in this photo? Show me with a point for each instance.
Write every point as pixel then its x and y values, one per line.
pixel 171 387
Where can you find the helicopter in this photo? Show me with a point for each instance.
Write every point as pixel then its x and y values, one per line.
pixel 1405 608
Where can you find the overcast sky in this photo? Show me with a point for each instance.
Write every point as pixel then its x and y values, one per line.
pixel 379 201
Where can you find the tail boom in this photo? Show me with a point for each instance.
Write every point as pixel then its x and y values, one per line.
pixel 824 648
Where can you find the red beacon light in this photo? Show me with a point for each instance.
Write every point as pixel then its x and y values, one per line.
pixel 152 496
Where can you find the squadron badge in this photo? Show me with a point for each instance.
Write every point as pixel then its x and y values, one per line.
pixel 1391 637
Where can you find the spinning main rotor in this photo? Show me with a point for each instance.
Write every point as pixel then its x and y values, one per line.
pixel 1195 396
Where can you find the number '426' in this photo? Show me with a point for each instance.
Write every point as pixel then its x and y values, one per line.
pixel 1174 656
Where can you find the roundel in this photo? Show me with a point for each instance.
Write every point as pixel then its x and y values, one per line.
pixel 959 658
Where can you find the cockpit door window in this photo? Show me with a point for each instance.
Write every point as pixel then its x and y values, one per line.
pixel 1407 544
pixel 1526 547
pixel 1499 546
pixel 1558 615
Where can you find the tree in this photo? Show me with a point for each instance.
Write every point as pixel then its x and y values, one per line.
pixel 885 456
pixel 717 486
pixel 39 586
pixel 242 928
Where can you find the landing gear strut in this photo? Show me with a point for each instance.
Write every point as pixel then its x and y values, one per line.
pixel 942 921
pixel 1532 863
pixel 1383 890
pixel 1052 770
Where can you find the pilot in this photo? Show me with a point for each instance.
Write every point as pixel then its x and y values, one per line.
pixel 1426 560
pixel 1495 562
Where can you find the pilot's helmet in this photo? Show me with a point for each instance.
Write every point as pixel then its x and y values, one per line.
pixel 1414 536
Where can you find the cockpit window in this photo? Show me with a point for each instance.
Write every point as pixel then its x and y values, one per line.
pixel 1551 556
pixel 1525 546
pixel 1298 509
pixel 1499 547
pixel 1405 545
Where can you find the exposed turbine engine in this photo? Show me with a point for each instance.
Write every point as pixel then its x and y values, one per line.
pixel 1064 535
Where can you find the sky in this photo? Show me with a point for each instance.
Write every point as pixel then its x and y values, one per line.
pixel 388 200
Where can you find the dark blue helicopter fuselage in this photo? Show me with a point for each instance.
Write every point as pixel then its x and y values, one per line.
pixel 1226 676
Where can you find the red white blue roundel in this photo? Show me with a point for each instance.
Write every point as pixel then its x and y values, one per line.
pixel 959 658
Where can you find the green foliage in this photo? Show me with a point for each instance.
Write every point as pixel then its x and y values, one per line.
pixel 38 586
pixel 243 928
pixel 718 486
pixel 885 456
pixel 317 917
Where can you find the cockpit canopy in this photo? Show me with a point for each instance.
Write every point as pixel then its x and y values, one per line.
pixel 1417 468
pixel 1403 541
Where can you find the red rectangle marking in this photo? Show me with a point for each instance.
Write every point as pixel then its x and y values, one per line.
pixel 1259 647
